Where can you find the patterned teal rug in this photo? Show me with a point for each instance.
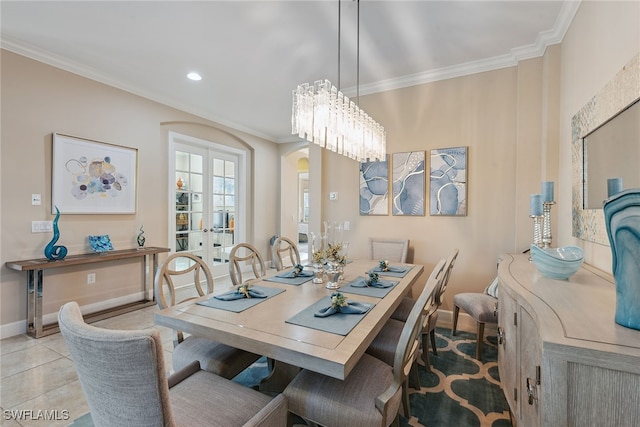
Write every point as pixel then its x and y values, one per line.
pixel 459 390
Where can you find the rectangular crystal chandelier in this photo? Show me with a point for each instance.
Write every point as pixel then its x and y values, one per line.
pixel 323 115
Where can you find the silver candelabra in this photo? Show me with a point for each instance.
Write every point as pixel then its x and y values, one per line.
pixel 546 223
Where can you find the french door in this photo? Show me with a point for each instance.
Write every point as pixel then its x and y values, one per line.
pixel 207 216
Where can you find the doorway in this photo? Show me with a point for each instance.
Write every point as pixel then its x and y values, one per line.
pixel 207 216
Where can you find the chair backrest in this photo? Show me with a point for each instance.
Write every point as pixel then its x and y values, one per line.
pixel 448 267
pixel 241 254
pixel 284 249
pixel 407 348
pixel 185 268
pixel 122 373
pixel 394 250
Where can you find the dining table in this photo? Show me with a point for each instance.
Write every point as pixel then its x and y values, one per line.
pixel 283 326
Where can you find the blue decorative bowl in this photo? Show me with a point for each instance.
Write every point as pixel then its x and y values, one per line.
pixel 557 263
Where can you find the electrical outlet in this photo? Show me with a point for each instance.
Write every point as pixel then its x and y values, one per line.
pixel 41 226
pixel 91 278
pixel 346 226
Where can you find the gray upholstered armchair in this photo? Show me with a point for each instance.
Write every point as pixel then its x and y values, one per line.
pixel 122 374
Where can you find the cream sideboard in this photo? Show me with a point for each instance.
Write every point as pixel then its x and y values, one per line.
pixel 562 359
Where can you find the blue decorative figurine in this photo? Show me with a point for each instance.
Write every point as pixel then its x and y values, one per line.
pixel 622 218
pixel 51 251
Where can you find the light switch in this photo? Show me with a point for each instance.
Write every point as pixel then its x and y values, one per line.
pixel 36 199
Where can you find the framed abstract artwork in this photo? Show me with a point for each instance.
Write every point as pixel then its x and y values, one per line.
pixel 408 182
pixel 374 188
pixel 448 182
pixel 90 177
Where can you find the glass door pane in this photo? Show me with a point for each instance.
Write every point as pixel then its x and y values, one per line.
pixel 189 205
pixel 223 212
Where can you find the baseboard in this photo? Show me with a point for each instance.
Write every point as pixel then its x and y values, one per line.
pixel 20 327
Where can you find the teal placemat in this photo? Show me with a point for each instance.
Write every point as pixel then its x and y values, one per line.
pixel 239 305
pixel 391 273
pixel 369 291
pixel 295 281
pixel 338 323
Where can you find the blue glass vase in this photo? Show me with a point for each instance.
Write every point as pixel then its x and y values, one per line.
pixel 51 251
pixel 622 218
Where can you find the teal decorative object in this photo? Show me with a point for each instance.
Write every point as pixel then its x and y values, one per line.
pixel 622 219
pixel 141 238
pixel 100 243
pixel 51 251
pixel 559 263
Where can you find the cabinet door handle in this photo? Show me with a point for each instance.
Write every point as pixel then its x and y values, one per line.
pixel 204 230
pixel 500 335
pixel 531 390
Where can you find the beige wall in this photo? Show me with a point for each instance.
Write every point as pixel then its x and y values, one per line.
pixel 602 38
pixel 498 116
pixel 38 100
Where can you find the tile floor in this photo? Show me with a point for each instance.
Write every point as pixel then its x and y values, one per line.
pixel 38 374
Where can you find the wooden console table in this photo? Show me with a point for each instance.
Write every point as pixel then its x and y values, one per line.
pixel 35 283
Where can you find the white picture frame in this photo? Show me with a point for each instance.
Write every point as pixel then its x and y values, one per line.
pixel 92 177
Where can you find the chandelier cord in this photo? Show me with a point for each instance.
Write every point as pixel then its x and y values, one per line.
pixel 358 56
pixel 339 26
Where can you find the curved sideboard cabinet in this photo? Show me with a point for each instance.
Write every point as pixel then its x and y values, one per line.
pixel 563 361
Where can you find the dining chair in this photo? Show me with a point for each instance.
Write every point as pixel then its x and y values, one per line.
pixel 383 346
pixel 240 255
pixel 123 378
pixel 190 273
pixel 481 306
pixel 284 249
pixel 370 395
pixel 429 331
pixel 394 250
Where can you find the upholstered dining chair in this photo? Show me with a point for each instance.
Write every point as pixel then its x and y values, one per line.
pixel 429 330
pixel 394 250
pixel 383 346
pixel 481 306
pixel 123 378
pixel 242 254
pixel 190 272
pixel 284 249
pixel 372 392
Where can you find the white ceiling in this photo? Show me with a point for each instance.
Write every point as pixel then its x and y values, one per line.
pixel 252 54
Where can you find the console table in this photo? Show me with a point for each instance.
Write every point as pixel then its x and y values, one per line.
pixel 35 283
pixel 563 360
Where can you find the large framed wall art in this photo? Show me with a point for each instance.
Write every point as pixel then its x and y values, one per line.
pixel 448 181
pixel 91 177
pixel 374 188
pixel 408 182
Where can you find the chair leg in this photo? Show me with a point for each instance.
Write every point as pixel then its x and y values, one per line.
pixel 456 311
pixel 432 335
pixel 416 377
pixel 405 399
pixel 480 339
pixel 425 349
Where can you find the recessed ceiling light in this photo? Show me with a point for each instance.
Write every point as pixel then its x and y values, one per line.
pixel 194 76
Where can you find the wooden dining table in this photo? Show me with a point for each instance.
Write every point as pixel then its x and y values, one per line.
pixel 265 329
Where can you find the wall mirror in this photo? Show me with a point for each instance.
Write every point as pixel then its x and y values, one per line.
pixel 592 139
pixel 612 151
